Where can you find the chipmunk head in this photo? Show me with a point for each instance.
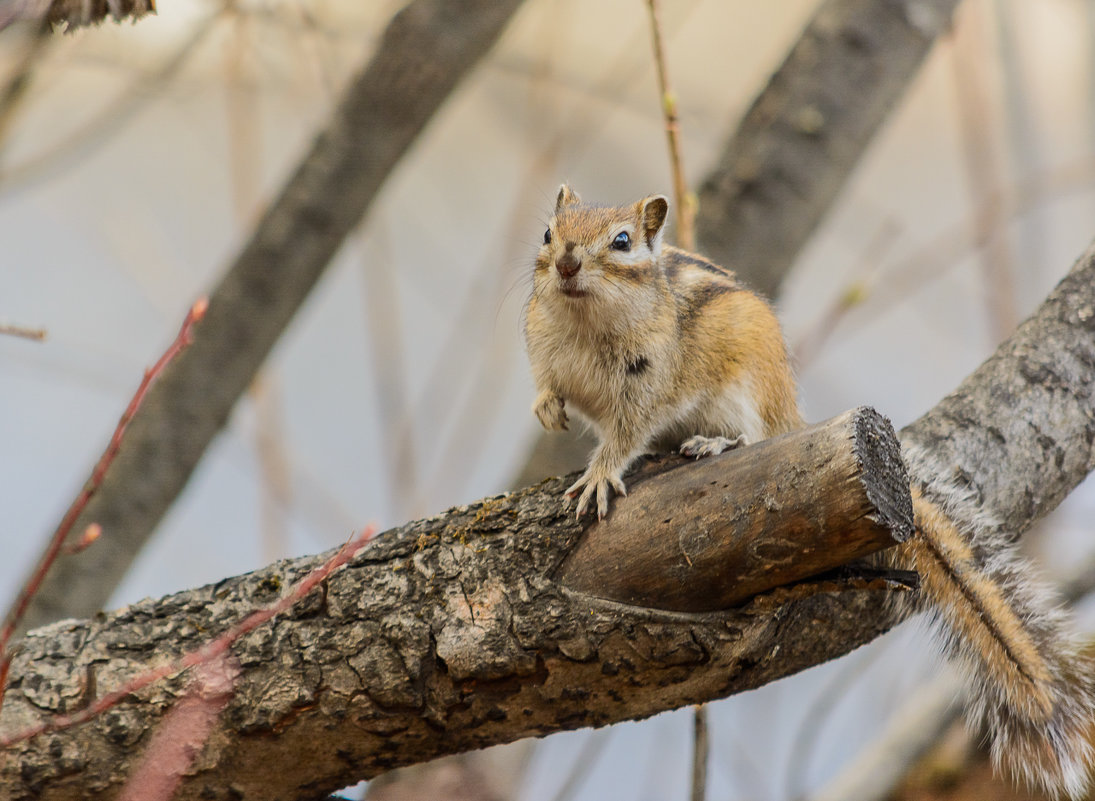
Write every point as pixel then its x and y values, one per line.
pixel 593 253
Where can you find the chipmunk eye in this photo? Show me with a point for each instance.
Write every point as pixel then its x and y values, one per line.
pixel 547 237
pixel 622 241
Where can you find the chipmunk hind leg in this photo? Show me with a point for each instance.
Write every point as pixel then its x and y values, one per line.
pixel 731 419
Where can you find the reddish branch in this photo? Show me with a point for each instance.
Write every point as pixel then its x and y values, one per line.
pixel 178 740
pixel 207 654
pixel 93 531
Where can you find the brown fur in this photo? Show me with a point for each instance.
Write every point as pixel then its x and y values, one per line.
pixel 712 355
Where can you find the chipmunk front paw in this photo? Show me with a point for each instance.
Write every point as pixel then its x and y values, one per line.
pixel 596 483
pixel 710 446
pixel 550 411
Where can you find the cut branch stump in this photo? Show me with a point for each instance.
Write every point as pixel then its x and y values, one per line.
pixel 746 521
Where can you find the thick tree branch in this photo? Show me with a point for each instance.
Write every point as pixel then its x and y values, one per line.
pixel 1018 433
pixel 467 629
pixel 453 633
pixel 428 47
pixel 806 131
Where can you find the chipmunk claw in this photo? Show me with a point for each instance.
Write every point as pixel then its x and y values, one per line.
pixel 597 487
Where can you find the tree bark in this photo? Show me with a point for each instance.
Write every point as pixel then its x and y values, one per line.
pixel 451 634
pixel 428 47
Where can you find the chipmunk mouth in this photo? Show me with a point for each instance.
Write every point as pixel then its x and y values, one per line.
pixel 571 290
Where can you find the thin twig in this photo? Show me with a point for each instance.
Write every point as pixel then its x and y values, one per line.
pixel 274 466
pixel 842 684
pixel 945 250
pixel 686 211
pixel 97 131
pixel 35 334
pixel 700 749
pixel 87 539
pixel 582 765
pixel 686 214
pixel 57 541
pixel 179 739
pixel 15 88
pixel 208 652
pixel 465 446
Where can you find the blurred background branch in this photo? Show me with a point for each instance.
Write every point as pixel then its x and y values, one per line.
pixel 427 49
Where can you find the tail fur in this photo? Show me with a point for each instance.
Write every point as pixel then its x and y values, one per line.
pixel 1028 684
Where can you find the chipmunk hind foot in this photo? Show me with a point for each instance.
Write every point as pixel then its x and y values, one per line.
pixel 699 446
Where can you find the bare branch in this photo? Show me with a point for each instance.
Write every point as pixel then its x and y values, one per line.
pixel 93 530
pixel 806 131
pixel 452 633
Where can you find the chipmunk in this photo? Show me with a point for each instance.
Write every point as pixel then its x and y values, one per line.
pixel 659 347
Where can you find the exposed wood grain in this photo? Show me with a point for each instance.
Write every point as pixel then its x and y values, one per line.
pixel 750 520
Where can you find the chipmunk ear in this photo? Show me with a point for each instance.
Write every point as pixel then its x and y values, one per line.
pixel 567 197
pixel 652 214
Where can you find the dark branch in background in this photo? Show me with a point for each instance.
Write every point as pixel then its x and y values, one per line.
pixel 806 131
pixel 455 633
pixel 783 167
pixel 427 48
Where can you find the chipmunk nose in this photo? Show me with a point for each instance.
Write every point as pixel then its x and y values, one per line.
pixel 568 264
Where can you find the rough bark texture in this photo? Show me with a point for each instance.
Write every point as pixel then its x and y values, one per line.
pixel 1018 432
pixel 445 635
pixel 450 634
pixel 427 48
pixel 805 132
pixel 749 520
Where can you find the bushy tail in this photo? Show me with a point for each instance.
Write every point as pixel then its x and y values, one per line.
pixel 1028 684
